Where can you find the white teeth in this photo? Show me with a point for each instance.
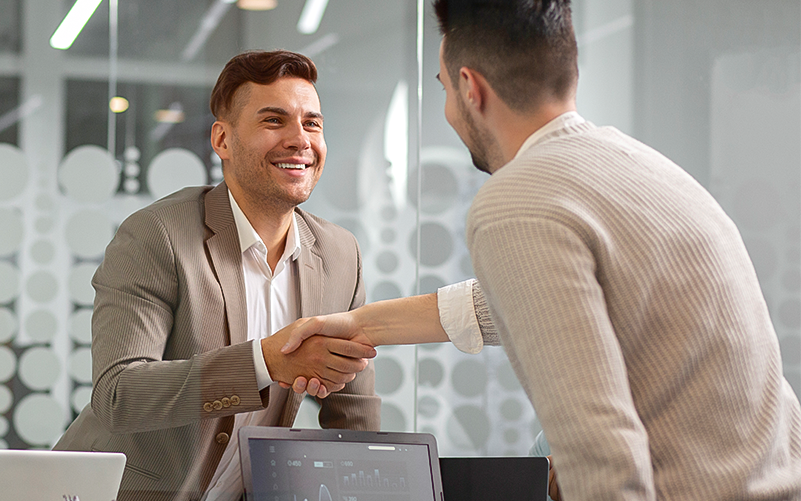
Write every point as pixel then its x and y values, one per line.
pixel 291 166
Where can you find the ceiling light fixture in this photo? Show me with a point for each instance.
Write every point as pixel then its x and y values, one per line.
pixel 73 23
pixel 311 16
pixel 118 104
pixel 257 4
pixel 172 115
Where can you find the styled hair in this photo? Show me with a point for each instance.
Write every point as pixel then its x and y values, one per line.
pixel 259 67
pixel 526 49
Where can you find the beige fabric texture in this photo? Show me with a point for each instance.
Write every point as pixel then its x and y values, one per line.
pixel 631 312
pixel 171 361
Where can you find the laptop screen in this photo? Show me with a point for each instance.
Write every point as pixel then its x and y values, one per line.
pixel 339 465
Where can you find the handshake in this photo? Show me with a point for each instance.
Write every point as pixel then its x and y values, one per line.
pixel 319 355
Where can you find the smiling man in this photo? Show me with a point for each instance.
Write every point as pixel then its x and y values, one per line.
pixel 193 286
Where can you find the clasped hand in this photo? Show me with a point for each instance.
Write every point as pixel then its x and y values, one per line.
pixel 320 365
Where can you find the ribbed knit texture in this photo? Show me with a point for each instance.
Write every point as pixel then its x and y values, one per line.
pixel 632 315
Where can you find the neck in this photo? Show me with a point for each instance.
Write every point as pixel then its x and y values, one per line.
pixel 273 232
pixel 512 128
pixel 271 223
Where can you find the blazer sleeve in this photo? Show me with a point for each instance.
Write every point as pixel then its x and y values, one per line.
pixel 355 407
pixel 134 323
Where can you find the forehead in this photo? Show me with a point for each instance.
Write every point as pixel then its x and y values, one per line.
pixel 295 95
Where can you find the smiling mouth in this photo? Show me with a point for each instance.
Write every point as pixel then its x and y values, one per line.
pixel 291 166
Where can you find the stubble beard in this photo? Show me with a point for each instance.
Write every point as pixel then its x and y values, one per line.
pixel 261 189
pixel 477 141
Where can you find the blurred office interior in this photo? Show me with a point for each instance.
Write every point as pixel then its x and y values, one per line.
pixel 715 85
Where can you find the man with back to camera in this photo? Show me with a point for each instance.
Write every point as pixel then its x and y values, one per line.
pixel 622 294
pixel 193 285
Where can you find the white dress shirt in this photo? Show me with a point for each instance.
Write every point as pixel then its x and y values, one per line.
pixel 272 304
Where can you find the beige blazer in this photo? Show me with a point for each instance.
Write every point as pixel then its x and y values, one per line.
pixel 171 365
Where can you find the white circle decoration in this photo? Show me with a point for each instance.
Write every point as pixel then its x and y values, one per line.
pixel 80 368
pixel 41 326
pixel 6 399
pixel 81 326
pixel 392 418
pixel 44 202
pixel 436 244
pixel 11 229
pixel 3 426
pixel 88 232
pixel 8 325
pixel 39 368
pixel 42 251
pixel 131 185
pixel 39 419
pixel 3 444
pixel 80 284
pixel 81 397
pixel 43 225
pixel 13 171
pixel 132 154
pixel 389 376
pixel 41 286
pixel 9 282
pixel 8 364
pixel 89 174
pixel 174 169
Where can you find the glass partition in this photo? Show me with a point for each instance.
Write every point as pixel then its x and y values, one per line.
pixel 716 87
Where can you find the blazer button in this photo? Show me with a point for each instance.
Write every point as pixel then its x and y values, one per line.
pixel 208 407
pixel 217 405
pixel 226 402
pixel 234 400
pixel 222 438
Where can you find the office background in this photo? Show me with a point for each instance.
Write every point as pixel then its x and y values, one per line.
pixel 715 85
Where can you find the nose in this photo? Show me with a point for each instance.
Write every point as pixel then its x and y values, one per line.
pixel 296 137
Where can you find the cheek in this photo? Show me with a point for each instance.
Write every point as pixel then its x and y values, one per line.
pixel 322 149
pixel 450 111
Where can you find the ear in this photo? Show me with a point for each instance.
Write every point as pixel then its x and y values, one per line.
pixel 219 139
pixel 474 88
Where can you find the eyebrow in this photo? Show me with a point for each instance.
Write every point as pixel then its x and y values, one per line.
pixel 283 112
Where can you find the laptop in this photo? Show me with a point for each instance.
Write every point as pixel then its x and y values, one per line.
pixel 494 478
pixel 283 464
pixel 36 475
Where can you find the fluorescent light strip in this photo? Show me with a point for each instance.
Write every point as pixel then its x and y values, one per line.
pixel 20 112
pixel 311 16
pixel 73 23
pixel 208 24
pixel 321 45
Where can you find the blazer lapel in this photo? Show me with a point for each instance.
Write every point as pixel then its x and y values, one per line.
pixel 310 272
pixel 310 295
pixel 226 259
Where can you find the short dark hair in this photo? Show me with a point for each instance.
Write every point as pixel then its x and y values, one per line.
pixel 259 67
pixel 526 49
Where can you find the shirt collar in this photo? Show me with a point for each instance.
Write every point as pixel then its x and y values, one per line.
pixel 248 236
pixel 568 119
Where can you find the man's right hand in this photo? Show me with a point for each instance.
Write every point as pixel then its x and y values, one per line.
pixel 330 361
